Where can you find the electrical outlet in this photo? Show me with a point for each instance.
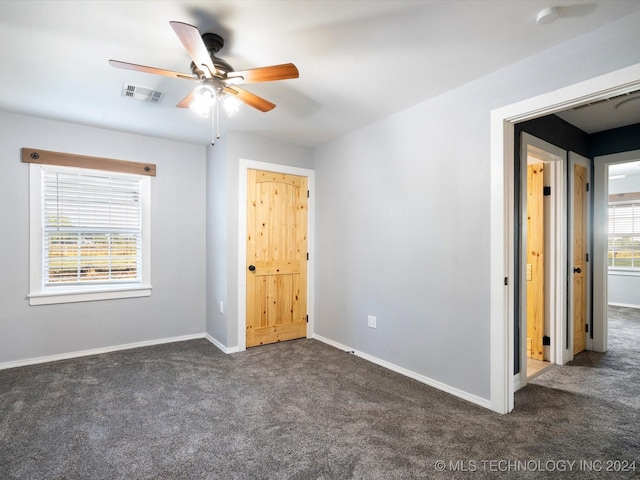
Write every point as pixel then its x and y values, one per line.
pixel 372 322
pixel 221 307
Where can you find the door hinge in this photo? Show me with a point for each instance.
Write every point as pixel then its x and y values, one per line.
pixel 307 256
pixel 586 327
pixel 307 318
pixel 587 186
pixel 546 191
pixel 307 193
pixel 546 340
pixel 587 259
pixel 506 280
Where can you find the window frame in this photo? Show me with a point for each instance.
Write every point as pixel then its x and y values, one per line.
pixel 41 295
pixel 620 270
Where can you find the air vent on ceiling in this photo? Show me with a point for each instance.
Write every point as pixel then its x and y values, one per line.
pixel 141 93
pixel 616 97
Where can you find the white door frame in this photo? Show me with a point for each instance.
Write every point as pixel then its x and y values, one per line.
pixel 502 237
pixel 601 164
pixel 555 253
pixel 244 166
pixel 574 159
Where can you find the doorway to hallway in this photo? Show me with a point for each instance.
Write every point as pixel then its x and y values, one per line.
pixel 553 305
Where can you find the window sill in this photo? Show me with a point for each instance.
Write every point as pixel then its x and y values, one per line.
pixel 624 273
pixel 50 298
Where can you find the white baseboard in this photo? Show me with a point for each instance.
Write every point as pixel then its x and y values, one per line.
pixel 628 305
pixel 383 363
pixel 517 382
pixel 219 344
pixel 483 402
pixel 97 351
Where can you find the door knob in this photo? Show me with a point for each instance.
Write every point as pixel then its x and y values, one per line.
pixel 252 268
pixel 577 270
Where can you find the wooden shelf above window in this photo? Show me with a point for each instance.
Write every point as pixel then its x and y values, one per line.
pixel 33 155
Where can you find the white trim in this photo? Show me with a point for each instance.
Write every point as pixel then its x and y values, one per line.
pixel 501 326
pixel 517 383
pixel 600 261
pixel 627 305
pixel 38 294
pixel 600 342
pixel 483 402
pixel 574 159
pixel 623 273
pixel 555 254
pixel 245 165
pixel 557 285
pixel 219 344
pixel 98 351
pixel 70 297
pixel 501 266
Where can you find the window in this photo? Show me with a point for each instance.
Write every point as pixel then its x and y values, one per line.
pixel 89 234
pixel 624 236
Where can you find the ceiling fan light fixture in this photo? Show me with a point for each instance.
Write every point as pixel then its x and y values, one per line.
pixel 204 95
pixel 214 76
pixel 231 104
pixel 204 99
pixel 200 110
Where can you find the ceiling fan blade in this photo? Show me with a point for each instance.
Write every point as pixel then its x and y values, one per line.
pixel 263 74
pixel 145 69
pixel 186 101
pixel 192 42
pixel 250 99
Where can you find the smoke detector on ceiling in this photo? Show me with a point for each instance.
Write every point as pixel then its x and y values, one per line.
pixel 142 93
pixel 548 15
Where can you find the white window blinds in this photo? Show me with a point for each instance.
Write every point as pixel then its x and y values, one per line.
pixel 624 219
pixel 92 228
pixel 624 236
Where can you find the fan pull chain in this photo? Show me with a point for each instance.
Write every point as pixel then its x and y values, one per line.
pixel 215 120
pixel 213 126
pixel 217 116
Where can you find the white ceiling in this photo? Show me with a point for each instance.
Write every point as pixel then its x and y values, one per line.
pixel 605 114
pixel 627 168
pixel 359 61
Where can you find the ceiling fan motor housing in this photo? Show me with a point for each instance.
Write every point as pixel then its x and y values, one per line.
pixel 213 43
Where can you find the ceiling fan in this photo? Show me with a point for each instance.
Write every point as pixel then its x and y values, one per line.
pixel 217 80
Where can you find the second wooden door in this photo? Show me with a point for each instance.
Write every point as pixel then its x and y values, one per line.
pixel 579 257
pixel 276 257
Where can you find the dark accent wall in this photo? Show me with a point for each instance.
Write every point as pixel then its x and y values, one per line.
pixel 617 140
pixel 562 134
pixel 558 132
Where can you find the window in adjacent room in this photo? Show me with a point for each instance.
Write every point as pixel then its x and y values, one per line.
pixel 624 236
pixel 89 234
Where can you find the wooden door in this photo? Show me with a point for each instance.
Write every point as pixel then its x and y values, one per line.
pixel 579 257
pixel 276 257
pixel 535 261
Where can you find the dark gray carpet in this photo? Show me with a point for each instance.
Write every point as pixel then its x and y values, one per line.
pixel 304 410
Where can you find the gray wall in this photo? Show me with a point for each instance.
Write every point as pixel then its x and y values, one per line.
pixel 222 220
pixel 402 226
pixel 402 220
pixel 624 287
pixel 176 306
pixel 217 234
